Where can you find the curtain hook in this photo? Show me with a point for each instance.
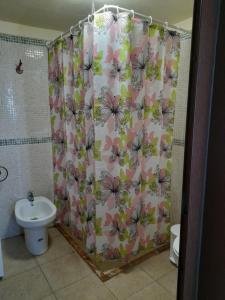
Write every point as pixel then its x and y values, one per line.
pixel 71 30
pixel 132 11
pixel 89 21
pixel 117 11
pixel 150 20
pixel 166 24
pixel 80 25
pixel 61 36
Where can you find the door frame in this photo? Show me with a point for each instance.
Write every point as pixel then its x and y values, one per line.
pixel 201 272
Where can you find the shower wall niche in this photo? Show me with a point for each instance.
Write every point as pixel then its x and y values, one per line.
pixel 25 142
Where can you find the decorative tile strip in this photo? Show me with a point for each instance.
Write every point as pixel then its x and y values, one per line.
pixel 22 40
pixel 25 141
pixel 178 142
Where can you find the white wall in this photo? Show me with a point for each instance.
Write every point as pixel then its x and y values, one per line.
pixel 28 31
pixel 185 24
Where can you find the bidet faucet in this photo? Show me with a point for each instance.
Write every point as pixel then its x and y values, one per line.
pixel 30 197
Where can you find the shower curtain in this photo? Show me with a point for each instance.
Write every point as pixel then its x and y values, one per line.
pixel 112 97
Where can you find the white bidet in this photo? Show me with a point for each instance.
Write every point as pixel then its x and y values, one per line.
pixel 34 217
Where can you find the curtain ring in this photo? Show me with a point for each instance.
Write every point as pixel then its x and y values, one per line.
pixel 150 20
pixel 166 24
pixel 71 30
pixel 61 36
pixel 117 11
pixel 89 21
pixel 132 11
pixel 80 25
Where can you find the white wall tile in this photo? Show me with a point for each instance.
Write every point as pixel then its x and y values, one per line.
pixel 179 131
pixel 24 113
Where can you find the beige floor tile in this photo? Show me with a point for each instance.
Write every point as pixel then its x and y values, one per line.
pixel 58 246
pixel 126 284
pixel 85 289
pixel 53 232
pixel 158 265
pixel 152 292
pixel 169 282
pixel 17 259
pixel 30 285
pixel 65 270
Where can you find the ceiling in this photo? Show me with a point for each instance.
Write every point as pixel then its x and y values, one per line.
pixel 61 14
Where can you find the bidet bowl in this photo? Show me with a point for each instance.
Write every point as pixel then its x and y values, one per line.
pixel 40 213
pixel 34 218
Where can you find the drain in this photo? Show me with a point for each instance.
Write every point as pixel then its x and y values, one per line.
pixel 34 218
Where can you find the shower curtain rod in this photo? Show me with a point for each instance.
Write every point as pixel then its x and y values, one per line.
pixel 118 8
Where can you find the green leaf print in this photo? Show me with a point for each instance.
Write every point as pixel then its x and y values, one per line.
pixel 97 152
pixel 124 50
pixel 122 250
pixel 55 177
pixel 98 226
pixel 99 21
pixel 155 110
pixel 50 56
pixel 97 190
pixel 153 147
pixel 151 216
pixel 53 118
pixel 153 186
pixel 129 26
pixel 51 89
pixel 97 64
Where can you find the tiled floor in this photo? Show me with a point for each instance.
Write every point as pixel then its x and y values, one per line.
pixel 61 274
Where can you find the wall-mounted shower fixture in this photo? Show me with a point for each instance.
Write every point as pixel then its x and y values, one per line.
pixel 19 69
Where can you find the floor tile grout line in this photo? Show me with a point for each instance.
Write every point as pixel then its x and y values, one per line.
pixel 22 272
pixel 165 274
pixel 46 280
pixel 150 283
pixel 70 284
pixel 56 258
pixel 157 281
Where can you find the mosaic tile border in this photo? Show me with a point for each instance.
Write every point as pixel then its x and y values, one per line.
pixel 25 141
pixel 178 142
pixel 22 40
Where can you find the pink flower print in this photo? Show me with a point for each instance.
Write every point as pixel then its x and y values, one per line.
pixel 112 55
pixel 71 109
pixel 164 181
pixel 139 58
pixel 131 100
pixel 115 154
pixel 90 140
pixel 135 146
pixel 89 107
pixel 113 227
pixel 165 147
pixel 163 214
pixel 109 252
pixel 111 189
pixel 111 108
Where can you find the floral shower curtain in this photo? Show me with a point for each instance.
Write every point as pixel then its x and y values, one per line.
pixel 112 98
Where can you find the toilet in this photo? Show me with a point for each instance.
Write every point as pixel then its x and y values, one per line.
pixel 174 243
pixel 35 217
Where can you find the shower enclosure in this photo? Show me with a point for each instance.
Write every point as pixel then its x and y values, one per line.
pixel 112 89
